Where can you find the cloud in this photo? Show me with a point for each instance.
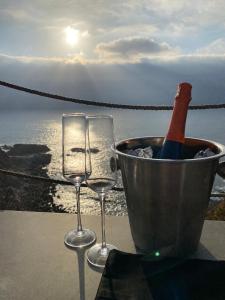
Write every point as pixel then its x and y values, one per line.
pixel 73 59
pixel 179 23
pixel 132 49
pixel 146 82
pixel 217 47
pixel 114 58
pixel 17 15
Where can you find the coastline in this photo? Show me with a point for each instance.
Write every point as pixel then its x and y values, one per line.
pixel 24 194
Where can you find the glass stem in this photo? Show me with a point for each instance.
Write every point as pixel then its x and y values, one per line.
pixel 102 203
pixel 79 225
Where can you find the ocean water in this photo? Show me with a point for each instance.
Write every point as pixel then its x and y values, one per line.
pixel 44 127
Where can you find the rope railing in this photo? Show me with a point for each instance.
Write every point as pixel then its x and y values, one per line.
pixel 104 104
pixel 63 182
pixel 93 103
pixel 44 179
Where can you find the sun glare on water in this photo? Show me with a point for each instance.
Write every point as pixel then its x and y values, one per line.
pixel 72 36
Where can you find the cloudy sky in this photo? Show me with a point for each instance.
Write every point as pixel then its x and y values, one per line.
pixel 124 51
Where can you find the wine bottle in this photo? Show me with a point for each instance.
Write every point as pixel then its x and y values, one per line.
pixel 174 140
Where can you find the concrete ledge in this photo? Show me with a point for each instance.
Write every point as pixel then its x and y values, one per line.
pixel 35 264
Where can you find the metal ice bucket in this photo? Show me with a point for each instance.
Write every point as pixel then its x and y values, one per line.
pixel 167 199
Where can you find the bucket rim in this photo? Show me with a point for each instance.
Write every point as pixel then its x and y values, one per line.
pixel 220 146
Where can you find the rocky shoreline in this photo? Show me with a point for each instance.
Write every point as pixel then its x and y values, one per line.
pixel 25 194
pixel 17 193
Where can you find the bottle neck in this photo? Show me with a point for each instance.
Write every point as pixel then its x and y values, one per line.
pixel 176 130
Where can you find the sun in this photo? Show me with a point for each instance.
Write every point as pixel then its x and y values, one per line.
pixel 72 35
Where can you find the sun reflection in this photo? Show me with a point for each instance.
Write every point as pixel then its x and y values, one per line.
pixel 72 35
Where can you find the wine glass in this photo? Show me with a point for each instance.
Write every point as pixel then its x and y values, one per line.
pixel 103 176
pixel 75 170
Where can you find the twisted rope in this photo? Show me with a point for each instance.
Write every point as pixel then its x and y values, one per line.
pixel 63 182
pixel 104 104
pixel 45 179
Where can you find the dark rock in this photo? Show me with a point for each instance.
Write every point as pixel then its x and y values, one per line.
pixel 93 150
pixel 27 149
pixel 4 160
pixel 3 155
pixel 221 169
pixel 6 147
pixel 30 162
pixel 19 193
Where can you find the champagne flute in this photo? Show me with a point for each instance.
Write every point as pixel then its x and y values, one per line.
pixel 75 170
pixel 103 176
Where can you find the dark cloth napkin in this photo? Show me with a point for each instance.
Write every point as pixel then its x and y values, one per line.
pixel 137 277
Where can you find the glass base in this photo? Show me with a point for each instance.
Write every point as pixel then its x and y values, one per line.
pixel 78 239
pixel 97 255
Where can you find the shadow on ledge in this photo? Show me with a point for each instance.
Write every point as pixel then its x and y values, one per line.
pixel 18 193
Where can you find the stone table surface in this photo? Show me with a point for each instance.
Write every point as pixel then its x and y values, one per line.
pixel 35 264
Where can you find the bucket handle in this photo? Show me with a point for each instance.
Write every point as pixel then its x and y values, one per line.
pixel 221 169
